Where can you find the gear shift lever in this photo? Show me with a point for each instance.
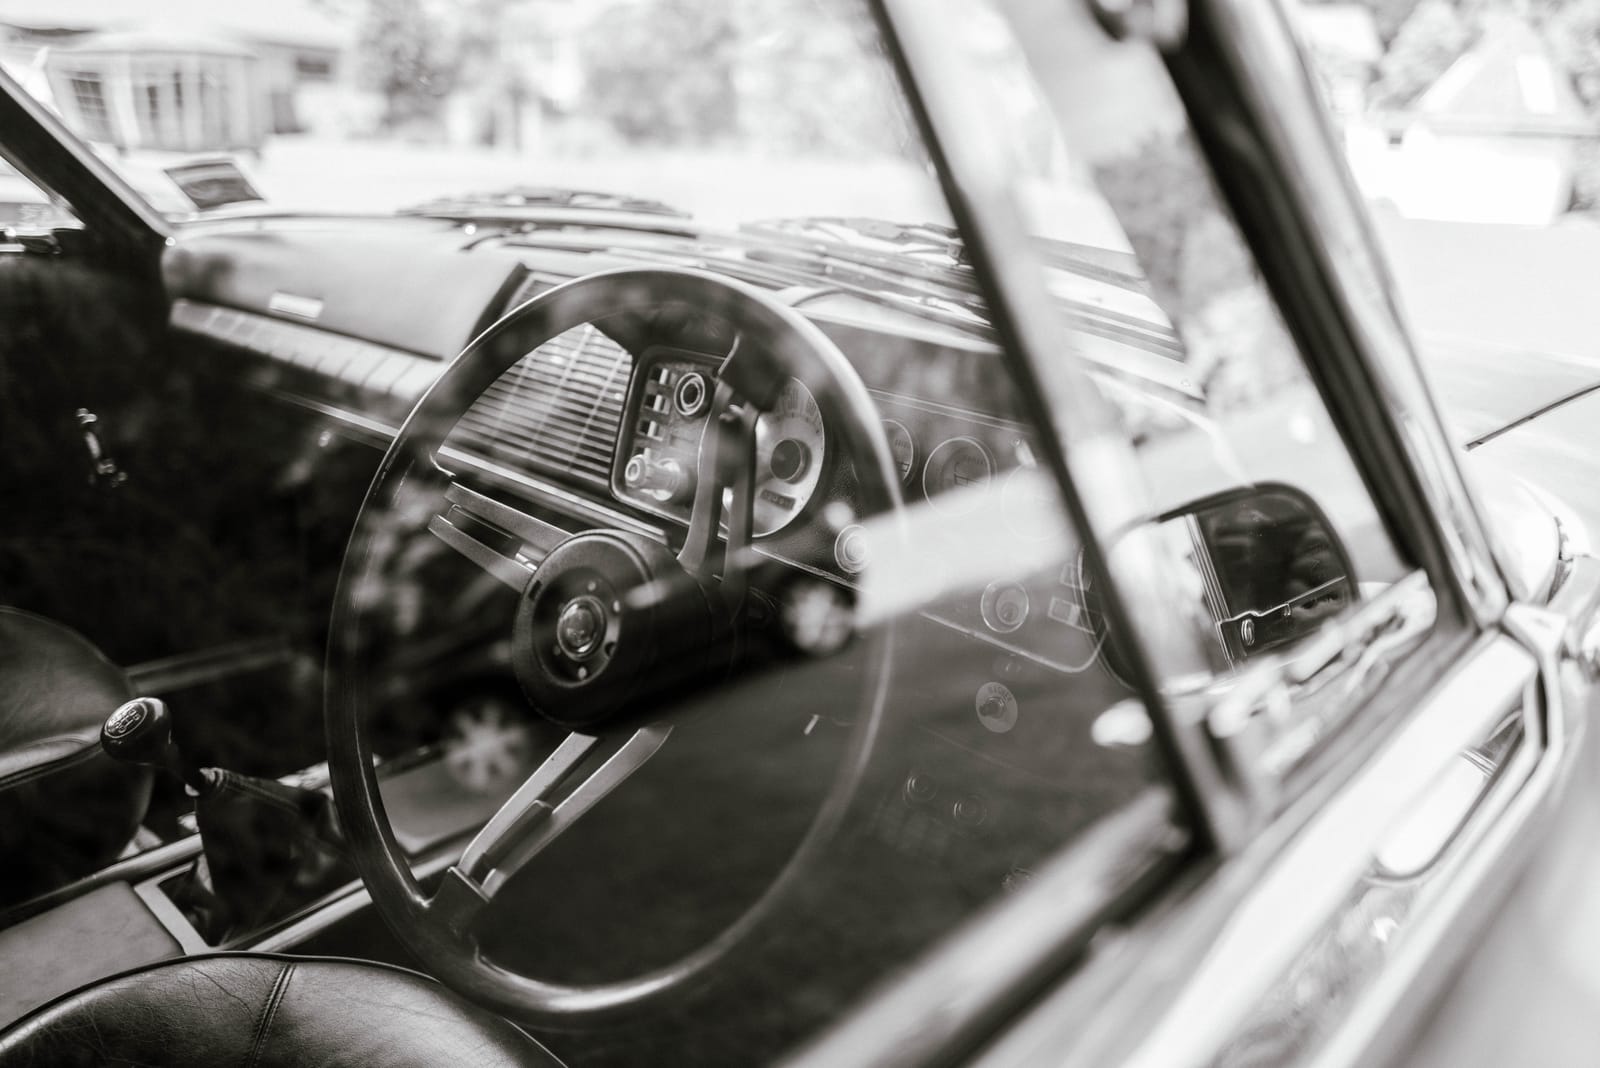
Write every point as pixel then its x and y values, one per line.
pixel 140 732
pixel 264 842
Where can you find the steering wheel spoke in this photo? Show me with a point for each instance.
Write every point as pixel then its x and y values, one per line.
pixel 528 822
pixel 472 517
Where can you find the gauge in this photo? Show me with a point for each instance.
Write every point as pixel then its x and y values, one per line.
pixel 790 446
pixel 901 446
pixel 1004 607
pixel 956 470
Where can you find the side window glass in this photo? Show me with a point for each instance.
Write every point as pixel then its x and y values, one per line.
pixel 1256 504
pixel 25 206
pixel 1469 131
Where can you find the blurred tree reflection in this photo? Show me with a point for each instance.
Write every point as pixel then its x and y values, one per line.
pixel 408 56
pixel 783 74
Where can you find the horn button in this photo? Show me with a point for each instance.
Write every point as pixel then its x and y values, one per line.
pixel 581 627
pixel 606 620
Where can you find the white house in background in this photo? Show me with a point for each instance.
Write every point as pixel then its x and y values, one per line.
pixel 1491 141
pixel 184 75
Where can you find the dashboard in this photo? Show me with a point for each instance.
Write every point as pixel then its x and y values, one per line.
pixel 607 435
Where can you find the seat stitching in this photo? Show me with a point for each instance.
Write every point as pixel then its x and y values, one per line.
pixel 269 1012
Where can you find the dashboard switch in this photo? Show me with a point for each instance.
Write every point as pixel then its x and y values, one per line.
pixel 662 480
pixel 970 812
pixel 691 395
pixel 996 706
pixel 850 549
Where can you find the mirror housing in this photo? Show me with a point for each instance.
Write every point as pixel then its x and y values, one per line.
pixel 1267 562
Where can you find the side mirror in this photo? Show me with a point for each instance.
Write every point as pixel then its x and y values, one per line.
pixel 1267 563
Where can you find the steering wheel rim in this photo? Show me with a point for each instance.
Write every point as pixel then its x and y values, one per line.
pixel 791 345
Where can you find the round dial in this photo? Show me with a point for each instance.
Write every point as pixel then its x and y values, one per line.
pixel 901 446
pixel 790 445
pixel 956 465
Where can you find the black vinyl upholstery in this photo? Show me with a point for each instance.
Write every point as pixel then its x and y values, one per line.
pixel 262 1010
pixel 65 807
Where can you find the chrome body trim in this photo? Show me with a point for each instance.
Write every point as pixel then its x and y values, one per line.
pixel 1306 881
pixel 1200 968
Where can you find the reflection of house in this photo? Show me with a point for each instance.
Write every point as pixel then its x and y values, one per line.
pixel 242 68
pixel 1491 141
pixel 142 90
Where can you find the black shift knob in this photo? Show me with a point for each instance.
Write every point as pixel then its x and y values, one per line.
pixel 139 732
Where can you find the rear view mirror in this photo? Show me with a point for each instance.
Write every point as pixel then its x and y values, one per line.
pixel 1267 563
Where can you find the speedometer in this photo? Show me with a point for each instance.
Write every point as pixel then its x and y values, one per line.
pixel 956 472
pixel 790 446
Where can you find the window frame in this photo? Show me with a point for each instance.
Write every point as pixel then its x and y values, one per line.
pixel 41 147
pixel 1252 106
pixel 1289 193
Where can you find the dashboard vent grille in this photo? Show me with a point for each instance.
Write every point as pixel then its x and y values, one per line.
pixel 555 412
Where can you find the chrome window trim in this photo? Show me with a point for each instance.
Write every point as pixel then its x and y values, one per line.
pixel 1201 967
pixel 1270 68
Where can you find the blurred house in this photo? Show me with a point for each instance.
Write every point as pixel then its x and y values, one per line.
pixel 176 75
pixel 1492 140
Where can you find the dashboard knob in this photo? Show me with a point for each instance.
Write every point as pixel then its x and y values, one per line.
pixel 970 811
pixel 850 549
pixel 665 480
pixel 996 706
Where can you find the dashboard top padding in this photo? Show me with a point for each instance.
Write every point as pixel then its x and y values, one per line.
pixel 324 273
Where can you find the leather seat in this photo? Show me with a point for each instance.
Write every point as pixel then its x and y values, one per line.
pixel 263 1010
pixel 65 807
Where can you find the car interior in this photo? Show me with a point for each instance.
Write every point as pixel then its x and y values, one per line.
pixel 190 452
pixel 660 635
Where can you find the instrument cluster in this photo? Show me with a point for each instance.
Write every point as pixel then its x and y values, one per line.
pixel 974 474
pixel 977 477
pixel 668 406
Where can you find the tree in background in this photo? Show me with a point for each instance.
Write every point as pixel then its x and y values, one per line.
pixel 1572 32
pixel 786 75
pixel 805 84
pixel 663 72
pixel 406 56
pixel 1433 38
pixel 1389 16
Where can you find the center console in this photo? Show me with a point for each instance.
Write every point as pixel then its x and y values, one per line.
pixel 141 909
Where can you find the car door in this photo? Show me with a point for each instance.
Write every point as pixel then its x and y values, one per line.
pixel 146 506
pixel 80 361
pixel 1368 790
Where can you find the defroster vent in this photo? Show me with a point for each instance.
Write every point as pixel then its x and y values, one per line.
pixel 555 412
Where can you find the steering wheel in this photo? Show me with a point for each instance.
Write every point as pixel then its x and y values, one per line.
pixel 588 649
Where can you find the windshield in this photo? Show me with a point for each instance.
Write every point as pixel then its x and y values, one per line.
pixel 381 105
